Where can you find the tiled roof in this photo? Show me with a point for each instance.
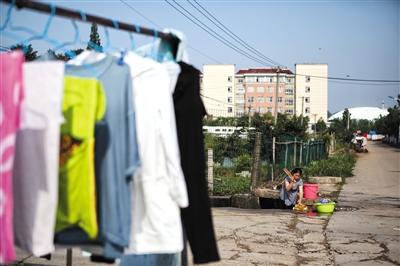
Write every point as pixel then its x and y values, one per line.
pixel 263 71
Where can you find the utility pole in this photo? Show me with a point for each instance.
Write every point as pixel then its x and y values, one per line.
pixel 348 121
pixel 315 125
pixel 249 108
pixel 302 109
pixel 276 96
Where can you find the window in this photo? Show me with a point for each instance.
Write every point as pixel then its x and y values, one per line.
pixel 269 109
pixel 270 99
pixel 230 78
pixel 271 79
pixel 307 99
pixel 308 78
pixel 280 89
pixel 289 101
pixel 260 89
pixel 290 111
pixel 279 99
pixel 250 89
pixel 289 80
pixel 250 99
pixel 229 89
pixel 240 80
pixel 260 99
pixel 308 89
pixel 224 129
pixel 270 89
pixel 289 91
pixel 217 130
pixel 229 99
pixel 229 109
pixel 261 110
pixel 307 110
pixel 250 79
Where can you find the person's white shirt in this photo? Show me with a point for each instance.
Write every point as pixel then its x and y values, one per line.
pixel 159 188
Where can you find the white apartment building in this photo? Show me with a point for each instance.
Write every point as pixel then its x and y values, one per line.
pixel 312 91
pixel 218 90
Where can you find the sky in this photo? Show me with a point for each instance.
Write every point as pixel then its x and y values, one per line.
pixel 358 39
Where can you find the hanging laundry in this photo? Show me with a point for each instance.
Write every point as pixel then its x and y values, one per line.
pixel 36 160
pixel 11 96
pixel 116 149
pixel 84 103
pixel 159 187
pixel 197 219
pixel 162 51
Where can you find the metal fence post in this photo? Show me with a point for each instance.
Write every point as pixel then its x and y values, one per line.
pixel 295 152
pixel 308 152
pixel 301 153
pixel 286 154
pixel 273 159
pixel 210 172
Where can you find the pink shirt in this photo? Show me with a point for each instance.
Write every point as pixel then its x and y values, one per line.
pixel 11 96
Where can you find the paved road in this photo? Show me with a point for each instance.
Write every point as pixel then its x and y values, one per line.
pixel 370 235
pixel 367 236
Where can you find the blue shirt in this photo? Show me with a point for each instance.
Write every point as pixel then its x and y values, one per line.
pixel 289 197
pixel 116 152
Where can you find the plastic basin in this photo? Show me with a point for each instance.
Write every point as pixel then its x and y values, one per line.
pixel 325 207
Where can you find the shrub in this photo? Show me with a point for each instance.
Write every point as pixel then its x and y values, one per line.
pixel 230 185
pixel 242 163
pixel 338 165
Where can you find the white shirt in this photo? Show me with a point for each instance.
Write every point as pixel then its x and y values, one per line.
pixel 159 187
pixel 35 175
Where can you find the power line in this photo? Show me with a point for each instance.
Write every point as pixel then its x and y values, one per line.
pixel 214 34
pixel 203 54
pixel 158 26
pixel 216 100
pixel 225 29
pixel 351 79
pixel 140 14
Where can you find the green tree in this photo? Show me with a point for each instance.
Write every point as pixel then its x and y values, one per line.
pixel 389 124
pixel 94 41
pixel 28 51
pixel 320 126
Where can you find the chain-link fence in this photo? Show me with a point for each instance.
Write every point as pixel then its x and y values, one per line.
pixel 237 162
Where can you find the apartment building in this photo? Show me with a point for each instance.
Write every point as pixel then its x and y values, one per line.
pixel 312 91
pixel 218 90
pixel 257 89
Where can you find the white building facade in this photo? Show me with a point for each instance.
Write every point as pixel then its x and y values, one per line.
pixel 218 90
pixel 311 91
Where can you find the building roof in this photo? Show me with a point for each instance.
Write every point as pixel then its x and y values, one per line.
pixel 369 113
pixel 263 71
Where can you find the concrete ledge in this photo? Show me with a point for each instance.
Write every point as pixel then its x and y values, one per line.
pixel 266 193
pixel 220 201
pixel 325 179
pixel 245 201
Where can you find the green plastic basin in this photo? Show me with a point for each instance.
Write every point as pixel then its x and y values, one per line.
pixel 325 207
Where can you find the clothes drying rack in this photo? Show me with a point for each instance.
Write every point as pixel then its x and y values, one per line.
pixel 88 18
pixel 84 17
